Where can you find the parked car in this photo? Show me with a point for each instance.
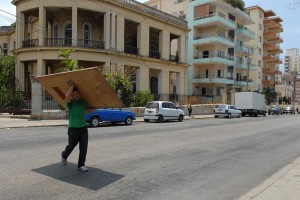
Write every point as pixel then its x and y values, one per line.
pixel 275 109
pixel 288 109
pixel 225 110
pixel 109 115
pixel 162 111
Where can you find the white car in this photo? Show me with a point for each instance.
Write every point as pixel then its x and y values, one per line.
pixel 225 110
pixel 162 111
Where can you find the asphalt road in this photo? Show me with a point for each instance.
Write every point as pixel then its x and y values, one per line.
pixel 207 159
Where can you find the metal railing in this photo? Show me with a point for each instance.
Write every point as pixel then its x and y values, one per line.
pixel 154 54
pixel 30 43
pixel 131 50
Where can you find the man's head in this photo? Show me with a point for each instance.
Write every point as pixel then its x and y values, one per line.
pixel 75 94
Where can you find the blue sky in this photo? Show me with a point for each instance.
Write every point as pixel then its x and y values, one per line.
pixel 290 17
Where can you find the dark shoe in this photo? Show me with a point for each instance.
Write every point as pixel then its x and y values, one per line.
pixel 63 160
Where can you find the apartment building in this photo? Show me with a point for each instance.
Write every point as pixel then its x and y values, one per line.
pixel 217 54
pixel 119 35
pixel 268 28
pixel 292 60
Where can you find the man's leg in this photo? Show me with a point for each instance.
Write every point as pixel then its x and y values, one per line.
pixel 83 145
pixel 73 134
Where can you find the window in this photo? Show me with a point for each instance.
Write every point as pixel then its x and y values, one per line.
pixel 5 49
pixel 55 33
pixel 260 39
pixel 86 34
pixel 178 1
pixel 259 63
pixel 259 51
pixel 172 106
pixel 260 15
pixel 260 27
pixel 220 54
pixel 68 33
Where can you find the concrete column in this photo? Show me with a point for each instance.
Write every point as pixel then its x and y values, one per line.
pixel 143 39
pixel 36 99
pixel 232 95
pixel 120 34
pixel 180 83
pixel 113 31
pixel 42 23
pixel 164 44
pixel 142 78
pixel 224 96
pixel 41 66
pixel 163 82
pixel 20 29
pixel 107 30
pixel 74 25
pixel 182 42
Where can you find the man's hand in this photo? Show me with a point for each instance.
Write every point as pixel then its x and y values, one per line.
pixel 69 92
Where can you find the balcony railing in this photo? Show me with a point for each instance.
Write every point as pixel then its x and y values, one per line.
pixel 154 54
pixel 93 44
pixel 131 49
pixel 30 43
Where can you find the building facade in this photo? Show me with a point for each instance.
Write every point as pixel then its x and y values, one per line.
pixel 116 36
pixel 292 60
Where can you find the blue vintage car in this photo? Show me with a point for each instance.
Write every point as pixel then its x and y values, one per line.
pixel 109 115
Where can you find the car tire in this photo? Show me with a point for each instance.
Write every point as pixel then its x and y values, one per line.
pixel 128 120
pixel 240 115
pixel 146 120
pixel 94 122
pixel 216 116
pixel 229 115
pixel 160 119
pixel 180 118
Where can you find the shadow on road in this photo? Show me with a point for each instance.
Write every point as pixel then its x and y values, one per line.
pixel 94 179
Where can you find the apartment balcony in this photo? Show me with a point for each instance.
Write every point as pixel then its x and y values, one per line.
pixel 221 79
pixel 276 29
pixel 243 82
pixel 214 20
pixel 269 35
pixel 269 23
pixel 277 40
pixel 131 50
pixel 246 34
pixel 241 65
pixel 269 70
pixel 214 59
pixel 268 82
pixel 240 49
pixel 214 39
pixel 30 43
pixel 269 58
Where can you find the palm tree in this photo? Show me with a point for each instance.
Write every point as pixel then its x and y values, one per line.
pixel 270 95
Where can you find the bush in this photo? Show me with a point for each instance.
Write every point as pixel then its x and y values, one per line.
pixel 141 98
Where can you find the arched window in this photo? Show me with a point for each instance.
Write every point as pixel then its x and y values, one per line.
pixel 55 33
pixel 87 34
pixel 68 33
pixel 154 85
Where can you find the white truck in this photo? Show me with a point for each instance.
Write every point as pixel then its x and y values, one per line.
pixel 250 103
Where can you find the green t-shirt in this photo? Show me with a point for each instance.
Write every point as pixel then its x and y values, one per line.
pixel 77 113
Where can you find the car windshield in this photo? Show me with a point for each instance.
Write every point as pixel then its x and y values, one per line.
pixel 152 105
pixel 221 106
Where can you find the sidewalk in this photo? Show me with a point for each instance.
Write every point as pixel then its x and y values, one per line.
pixel 283 185
pixel 22 121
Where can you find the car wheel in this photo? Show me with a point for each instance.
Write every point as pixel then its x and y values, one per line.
pixel 114 123
pixel 216 116
pixel 180 118
pixel 94 122
pixel 146 120
pixel 229 115
pixel 160 119
pixel 128 120
pixel 240 115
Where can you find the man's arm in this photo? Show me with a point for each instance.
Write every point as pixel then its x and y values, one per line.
pixel 68 96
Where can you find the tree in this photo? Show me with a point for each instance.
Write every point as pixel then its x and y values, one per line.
pixel 7 71
pixel 270 95
pixel 237 4
pixel 68 63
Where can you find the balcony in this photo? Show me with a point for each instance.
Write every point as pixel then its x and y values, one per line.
pixel 245 33
pixel 268 82
pixel 214 59
pixel 214 39
pixel 30 43
pixel 269 70
pixel 221 79
pixel 240 65
pixel 243 82
pixel 214 20
pixel 131 50
pixel 154 54
pixel 240 49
